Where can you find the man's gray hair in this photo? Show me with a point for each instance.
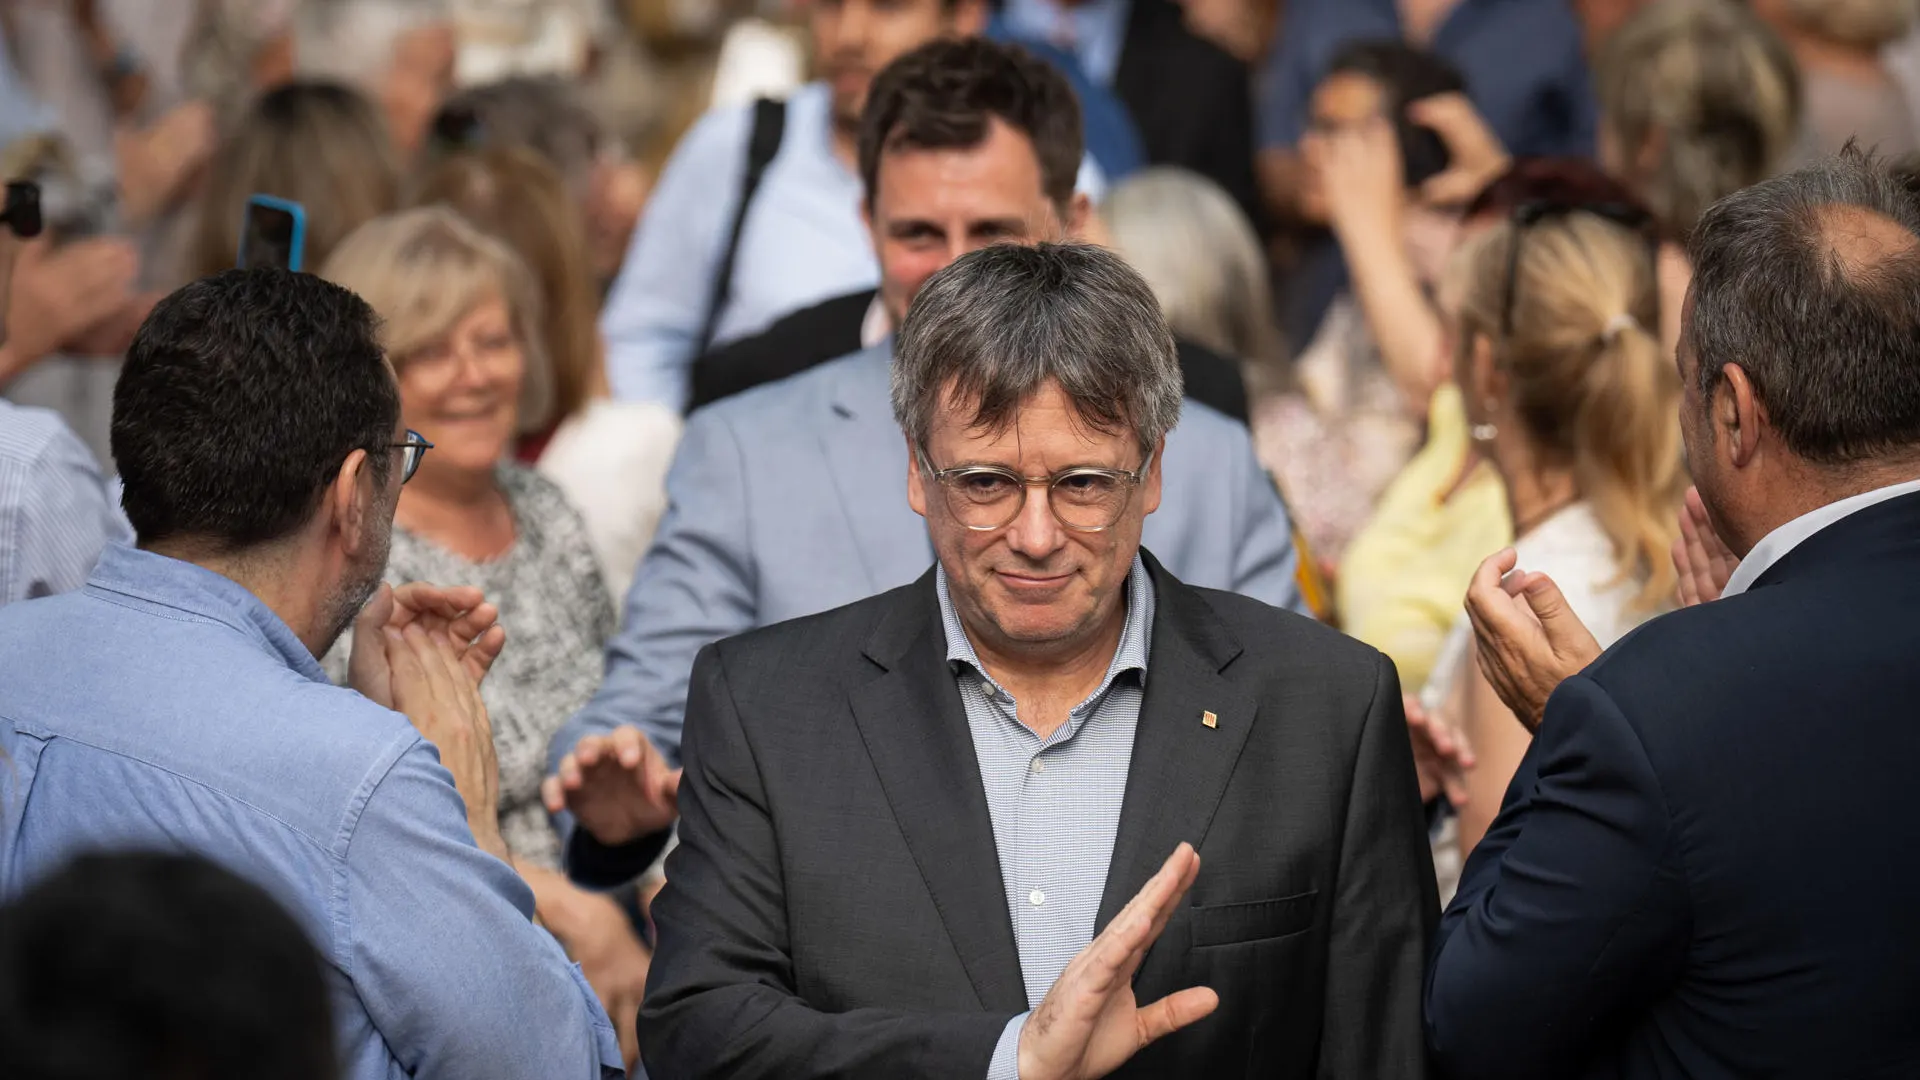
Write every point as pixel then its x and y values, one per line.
pixel 1831 342
pixel 996 326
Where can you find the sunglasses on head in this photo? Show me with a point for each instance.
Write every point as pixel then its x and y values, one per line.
pixel 1534 211
pixel 22 209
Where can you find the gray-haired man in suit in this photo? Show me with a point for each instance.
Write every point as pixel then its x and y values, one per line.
pixel 787 501
pixel 944 831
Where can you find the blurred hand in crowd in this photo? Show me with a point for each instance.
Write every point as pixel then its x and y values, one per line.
pixel 1362 181
pixel 1474 154
pixel 1703 560
pixel 1089 1024
pixel 1441 756
pixel 59 294
pixel 434 687
pixel 616 785
pixel 157 163
pixel 1530 640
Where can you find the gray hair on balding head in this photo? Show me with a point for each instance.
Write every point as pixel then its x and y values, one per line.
pixel 999 324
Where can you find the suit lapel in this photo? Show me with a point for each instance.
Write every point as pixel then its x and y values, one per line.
pixel 867 460
pixel 1180 764
pixel 915 730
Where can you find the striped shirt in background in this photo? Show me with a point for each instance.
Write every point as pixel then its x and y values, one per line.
pixel 1055 802
pixel 56 511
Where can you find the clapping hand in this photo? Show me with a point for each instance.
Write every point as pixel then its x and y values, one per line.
pixel 1529 638
pixel 617 785
pixel 459 611
pixel 434 687
pixel 1089 1024
pixel 1703 560
pixel 1441 755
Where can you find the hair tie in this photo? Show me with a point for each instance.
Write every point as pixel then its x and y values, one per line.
pixel 1616 326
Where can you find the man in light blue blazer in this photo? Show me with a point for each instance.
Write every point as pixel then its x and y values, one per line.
pixel 791 499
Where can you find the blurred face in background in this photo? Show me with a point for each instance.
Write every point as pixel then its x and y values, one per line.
pixel 421 76
pixel 930 207
pixel 1341 100
pixel 462 390
pixel 854 39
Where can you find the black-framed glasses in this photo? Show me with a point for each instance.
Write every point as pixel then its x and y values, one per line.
pixel 988 497
pixel 22 209
pixel 412 448
pixel 1532 212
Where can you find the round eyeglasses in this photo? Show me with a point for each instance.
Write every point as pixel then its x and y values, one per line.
pixel 988 497
pixel 412 449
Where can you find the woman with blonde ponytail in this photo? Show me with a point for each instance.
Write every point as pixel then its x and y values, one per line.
pixel 1574 400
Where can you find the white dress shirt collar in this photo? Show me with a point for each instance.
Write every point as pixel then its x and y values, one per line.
pixel 1775 545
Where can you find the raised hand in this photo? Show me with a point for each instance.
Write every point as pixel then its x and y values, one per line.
pixel 1530 640
pixel 1702 558
pixel 1088 1024
pixel 1363 180
pixel 1474 154
pixel 616 785
pixel 431 686
pixel 458 611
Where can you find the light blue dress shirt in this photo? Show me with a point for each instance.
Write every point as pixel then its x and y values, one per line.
pixel 164 706
pixel 56 511
pixel 1095 31
pixel 1055 802
pixel 801 243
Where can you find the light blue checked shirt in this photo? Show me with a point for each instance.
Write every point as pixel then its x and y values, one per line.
pixel 1055 802
pixel 57 513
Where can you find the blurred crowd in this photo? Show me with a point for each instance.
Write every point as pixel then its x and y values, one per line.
pixel 638 267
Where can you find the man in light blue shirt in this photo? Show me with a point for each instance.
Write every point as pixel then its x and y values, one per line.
pixel 56 511
pixel 801 240
pixel 176 703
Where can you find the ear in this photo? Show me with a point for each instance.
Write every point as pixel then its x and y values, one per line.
pixel 1079 217
pixel 1737 413
pixel 1152 493
pixel 916 484
pixel 349 499
pixel 969 18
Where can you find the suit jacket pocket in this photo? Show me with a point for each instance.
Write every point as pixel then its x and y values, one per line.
pixel 1254 920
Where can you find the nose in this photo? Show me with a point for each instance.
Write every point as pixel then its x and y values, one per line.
pixel 856 19
pixel 1035 532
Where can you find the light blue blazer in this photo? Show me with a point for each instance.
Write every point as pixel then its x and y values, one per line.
pixel 791 499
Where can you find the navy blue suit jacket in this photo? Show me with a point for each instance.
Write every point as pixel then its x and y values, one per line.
pixel 1706 865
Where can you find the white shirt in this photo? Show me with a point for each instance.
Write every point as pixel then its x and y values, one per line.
pixel 1774 546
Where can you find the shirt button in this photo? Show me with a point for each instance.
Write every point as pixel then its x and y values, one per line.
pixel 1036 898
pixel 1038 765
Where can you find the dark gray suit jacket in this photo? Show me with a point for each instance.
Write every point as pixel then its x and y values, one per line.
pixel 835 905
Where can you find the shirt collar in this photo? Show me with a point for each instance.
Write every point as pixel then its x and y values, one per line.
pixel 1775 545
pixel 876 326
pixel 183 586
pixel 1135 633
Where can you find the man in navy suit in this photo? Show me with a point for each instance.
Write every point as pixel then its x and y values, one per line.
pixel 791 499
pixel 1705 866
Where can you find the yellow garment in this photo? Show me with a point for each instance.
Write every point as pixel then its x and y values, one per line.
pixel 1405 575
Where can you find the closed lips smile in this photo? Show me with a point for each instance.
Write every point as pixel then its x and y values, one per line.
pixel 1032 581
